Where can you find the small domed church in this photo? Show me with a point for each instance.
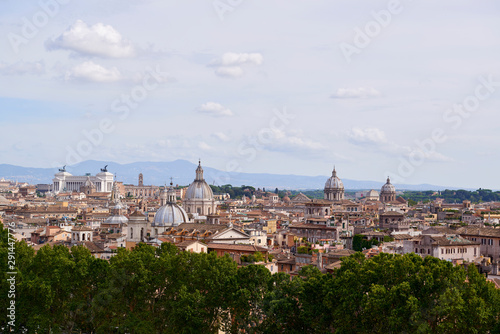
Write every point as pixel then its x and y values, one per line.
pixel 334 188
pixel 388 192
pixel 199 198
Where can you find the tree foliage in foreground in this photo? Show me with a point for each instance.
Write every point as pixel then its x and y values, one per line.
pixel 162 290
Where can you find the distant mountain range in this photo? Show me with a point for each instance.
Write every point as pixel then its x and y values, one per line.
pixel 183 173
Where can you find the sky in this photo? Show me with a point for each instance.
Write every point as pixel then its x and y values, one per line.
pixel 406 89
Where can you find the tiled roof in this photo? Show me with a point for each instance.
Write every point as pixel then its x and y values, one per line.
pixel 313 226
pixel 479 231
pixel 392 213
pixel 340 252
pixel 246 248
pixel 138 214
pixel 401 236
pixel 202 227
pixel 334 265
pixel 452 240
pixel 81 228
pixel 374 233
pixel 93 247
pixel 439 229
pixel 114 236
pixel 187 243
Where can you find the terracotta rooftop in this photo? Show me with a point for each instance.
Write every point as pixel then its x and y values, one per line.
pixel 246 248
pixel 81 228
pixel 479 231
pixel 401 236
pixel 452 240
pixel 334 265
pixel 93 247
pixel 202 227
pixel 313 226
pixel 187 243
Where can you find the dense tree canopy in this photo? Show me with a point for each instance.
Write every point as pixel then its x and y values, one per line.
pixel 234 192
pixel 453 196
pixel 163 290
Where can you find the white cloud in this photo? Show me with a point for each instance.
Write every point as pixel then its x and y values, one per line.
pixel 229 71
pixel 438 157
pixel 214 109
pixel 230 64
pixel 356 93
pixel 221 136
pixel 292 141
pixel 22 68
pixel 376 139
pixel 97 40
pixel 368 135
pixel 89 71
pixel 232 59
pixel 163 143
pixel 204 146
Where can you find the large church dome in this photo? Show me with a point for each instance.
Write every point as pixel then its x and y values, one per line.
pixel 199 189
pixel 334 188
pixel 388 187
pixel 388 192
pixel 117 220
pixel 334 182
pixel 169 214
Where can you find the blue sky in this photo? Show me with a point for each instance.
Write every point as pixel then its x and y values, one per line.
pixel 289 87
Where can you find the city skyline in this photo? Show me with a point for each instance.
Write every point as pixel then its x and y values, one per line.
pixel 397 88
